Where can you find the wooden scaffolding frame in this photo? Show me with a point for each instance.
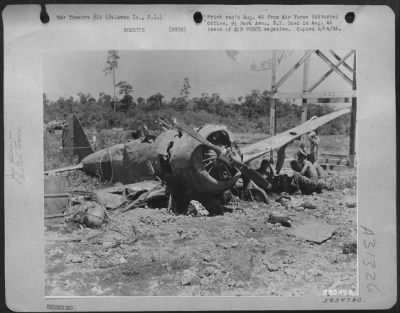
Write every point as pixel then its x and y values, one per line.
pixel 308 91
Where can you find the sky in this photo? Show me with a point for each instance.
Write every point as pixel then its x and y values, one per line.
pixel 149 72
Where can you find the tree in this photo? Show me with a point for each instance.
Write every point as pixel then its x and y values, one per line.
pixel 185 91
pixel 141 102
pixel 154 102
pixel 46 101
pixel 124 90
pixel 84 98
pixel 111 65
pixel 104 100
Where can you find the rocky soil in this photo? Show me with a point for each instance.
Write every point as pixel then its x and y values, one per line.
pixel 243 252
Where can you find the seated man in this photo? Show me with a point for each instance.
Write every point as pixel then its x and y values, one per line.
pixel 320 171
pixel 305 177
pixel 266 170
pixel 250 191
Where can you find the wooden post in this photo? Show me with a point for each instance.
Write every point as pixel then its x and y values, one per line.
pixel 272 110
pixel 352 152
pixel 272 118
pixel 304 104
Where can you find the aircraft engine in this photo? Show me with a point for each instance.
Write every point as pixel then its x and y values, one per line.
pixel 191 169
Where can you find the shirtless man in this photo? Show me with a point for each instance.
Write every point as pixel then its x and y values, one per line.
pixel 306 180
pixel 320 171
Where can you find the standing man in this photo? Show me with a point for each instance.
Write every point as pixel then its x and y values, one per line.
pixel 314 140
pixel 281 155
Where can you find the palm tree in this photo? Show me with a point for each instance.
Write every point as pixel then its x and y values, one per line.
pixel 111 65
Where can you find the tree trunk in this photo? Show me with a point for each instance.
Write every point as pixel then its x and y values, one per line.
pixel 115 97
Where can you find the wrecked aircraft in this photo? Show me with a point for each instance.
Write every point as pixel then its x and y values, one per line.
pixel 196 164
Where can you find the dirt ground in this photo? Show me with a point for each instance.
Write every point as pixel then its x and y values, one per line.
pixel 156 253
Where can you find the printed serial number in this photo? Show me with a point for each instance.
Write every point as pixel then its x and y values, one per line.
pixel 339 292
pixel 341 299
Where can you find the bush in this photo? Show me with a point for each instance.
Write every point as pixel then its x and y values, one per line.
pixel 252 115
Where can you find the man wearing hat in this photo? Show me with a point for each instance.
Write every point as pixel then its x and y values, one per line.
pixel 305 177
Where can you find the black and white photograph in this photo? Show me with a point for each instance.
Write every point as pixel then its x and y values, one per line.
pixel 200 173
pixel 199 157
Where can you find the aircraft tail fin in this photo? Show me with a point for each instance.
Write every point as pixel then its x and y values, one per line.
pixel 74 140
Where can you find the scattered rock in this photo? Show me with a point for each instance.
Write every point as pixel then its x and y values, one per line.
pixel 210 271
pixel 238 284
pixel 109 244
pixel 96 290
pixel 195 208
pixel 254 241
pixel 309 206
pixel 73 258
pixel 288 261
pixel 146 220
pixel 234 244
pixel 317 214
pixel 189 277
pixel 271 266
pixel 276 218
pixel 104 264
pixel 222 245
pixel 351 204
pixel 350 247
pixel 90 214
pixel 290 271
pixel 206 258
pixel 179 231
pixel 87 254
pixel 56 252
pixel 314 272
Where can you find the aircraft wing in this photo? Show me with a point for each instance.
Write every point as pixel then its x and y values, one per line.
pixel 260 148
pixel 63 169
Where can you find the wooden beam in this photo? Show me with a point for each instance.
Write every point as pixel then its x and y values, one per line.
pixel 304 106
pixel 323 77
pixel 292 69
pixel 272 109
pixel 272 125
pixel 333 67
pixel 339 58
pixel 304 103
pixel 353 120
pixel 315 95
pixel 273 70
pixel 331 100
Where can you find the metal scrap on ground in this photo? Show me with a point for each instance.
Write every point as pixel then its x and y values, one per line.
pixel 314 231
